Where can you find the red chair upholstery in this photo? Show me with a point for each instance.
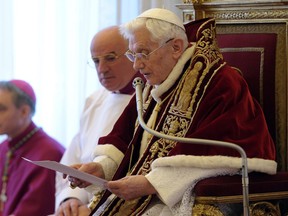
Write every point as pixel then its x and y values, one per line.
pixel 254 55
pixel 258 182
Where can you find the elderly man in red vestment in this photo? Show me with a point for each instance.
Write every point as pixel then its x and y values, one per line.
pixel 25 189
pixel 190 92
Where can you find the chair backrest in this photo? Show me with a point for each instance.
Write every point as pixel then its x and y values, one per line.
pixel 261 59
pixel 254 56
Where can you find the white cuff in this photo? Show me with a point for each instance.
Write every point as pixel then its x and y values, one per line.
pixel 110 151
pixel 109 166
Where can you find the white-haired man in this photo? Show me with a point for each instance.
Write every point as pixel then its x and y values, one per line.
pixel 190 92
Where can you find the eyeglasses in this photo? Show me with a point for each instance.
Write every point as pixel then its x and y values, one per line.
pixel 132 56
pixel 108 58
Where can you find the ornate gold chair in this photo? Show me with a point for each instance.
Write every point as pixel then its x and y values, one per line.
pixel 261 56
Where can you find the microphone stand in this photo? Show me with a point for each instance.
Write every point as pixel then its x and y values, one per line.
pixel 138 84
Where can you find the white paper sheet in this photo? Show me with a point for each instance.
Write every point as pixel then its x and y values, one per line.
pixel 53 165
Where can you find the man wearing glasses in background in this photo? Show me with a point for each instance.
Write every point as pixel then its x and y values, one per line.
pixel 115 73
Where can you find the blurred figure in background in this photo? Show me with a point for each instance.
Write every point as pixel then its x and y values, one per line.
pixel 102 109
pixel 26 189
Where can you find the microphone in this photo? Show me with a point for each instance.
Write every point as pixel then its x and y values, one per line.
pixel 138 85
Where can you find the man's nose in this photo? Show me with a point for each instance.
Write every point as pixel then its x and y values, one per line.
pixel 138 64
pixel 102 66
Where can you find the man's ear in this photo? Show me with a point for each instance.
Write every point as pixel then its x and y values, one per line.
pixel 178 47
pixel 25 110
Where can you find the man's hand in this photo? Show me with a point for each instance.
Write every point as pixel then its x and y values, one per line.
pixel 84 210
pixel 70 207
pixel 131 187
pixel 91 168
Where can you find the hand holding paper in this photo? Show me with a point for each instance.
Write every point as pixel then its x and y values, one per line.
pixel 53 165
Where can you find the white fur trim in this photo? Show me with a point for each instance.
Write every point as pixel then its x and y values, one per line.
pixel 110 151
pixel 209 162
pixel 172 182
pixel 174 177
pixel 174 75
